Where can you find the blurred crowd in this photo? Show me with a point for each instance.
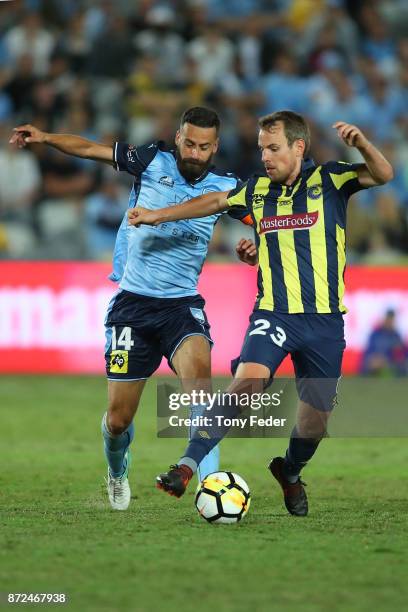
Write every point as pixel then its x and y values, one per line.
pixel 125 70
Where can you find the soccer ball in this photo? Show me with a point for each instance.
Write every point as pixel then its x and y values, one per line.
pixel 223 497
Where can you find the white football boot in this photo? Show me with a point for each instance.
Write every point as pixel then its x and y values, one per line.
pixel 119 489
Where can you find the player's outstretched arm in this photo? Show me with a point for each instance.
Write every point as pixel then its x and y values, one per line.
pixel 203 206
pixel 67 143
pixel 377 170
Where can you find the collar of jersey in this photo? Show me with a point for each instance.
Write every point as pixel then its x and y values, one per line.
pixel 307 164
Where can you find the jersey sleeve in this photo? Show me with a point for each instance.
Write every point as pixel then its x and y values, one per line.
pixel 133 160
pixel 344 178
pixel 237 205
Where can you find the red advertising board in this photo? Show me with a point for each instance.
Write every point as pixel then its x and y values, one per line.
pixel 52 313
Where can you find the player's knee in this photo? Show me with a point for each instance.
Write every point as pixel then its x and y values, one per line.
pixel 118 422
pixel 311 423
pixel 311 431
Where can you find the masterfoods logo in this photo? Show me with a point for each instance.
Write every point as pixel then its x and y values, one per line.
pixel 297 221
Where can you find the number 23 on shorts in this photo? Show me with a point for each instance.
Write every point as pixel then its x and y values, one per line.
pixel 262 327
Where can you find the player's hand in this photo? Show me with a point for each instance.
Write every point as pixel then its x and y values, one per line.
pixel 26 134
pixel 351 135
pixel 247 252
pixel 138 216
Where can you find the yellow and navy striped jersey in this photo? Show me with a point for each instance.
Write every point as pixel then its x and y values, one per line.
pixel 300 234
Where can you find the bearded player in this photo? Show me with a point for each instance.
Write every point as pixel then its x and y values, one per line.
pixel 157 310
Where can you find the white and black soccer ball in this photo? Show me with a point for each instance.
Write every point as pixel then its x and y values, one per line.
pixel 223 497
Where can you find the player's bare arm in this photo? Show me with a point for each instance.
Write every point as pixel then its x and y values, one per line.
pixel 202 206
pixel 66 143
pixel 376 170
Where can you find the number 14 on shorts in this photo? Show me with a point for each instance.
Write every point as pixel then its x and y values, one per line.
pixel 124 341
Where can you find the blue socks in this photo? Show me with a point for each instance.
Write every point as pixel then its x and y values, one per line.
pixel 204 440
pixel 116 447
pixel 211 461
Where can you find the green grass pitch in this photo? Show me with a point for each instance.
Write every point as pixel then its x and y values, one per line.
pixel 58 533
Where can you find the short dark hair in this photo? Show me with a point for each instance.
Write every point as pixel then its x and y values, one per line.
pixel 294 125
pixel 201 117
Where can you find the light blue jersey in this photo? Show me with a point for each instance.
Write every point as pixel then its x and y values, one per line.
pixel 163 261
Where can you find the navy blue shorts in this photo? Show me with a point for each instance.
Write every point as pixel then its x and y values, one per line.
pixel 140 330
pixel 315 343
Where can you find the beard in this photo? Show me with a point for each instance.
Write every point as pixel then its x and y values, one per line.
pixel 192 169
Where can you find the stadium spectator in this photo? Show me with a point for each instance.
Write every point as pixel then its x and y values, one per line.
pixel 385 354
pixel 61 76
pixel 46 101
pixel 31 37
pixel 75 43
pixel 20 84
pixel 104 212
pixel 386 105
pixel 385 216
pixel 212 53
pixel 112 60
pixel 224 10
pixel 344 102
pixel 6 105
pixel 148 98
pixel 160 33
pixel 63 177
pixel 283 85
pixel 249 49
pixel 246 160
pixel 20 183
pixel 331 29
pixel 377 42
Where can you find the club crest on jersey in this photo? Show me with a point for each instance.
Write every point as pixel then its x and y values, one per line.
pixel 198 314
pixel 167 181
pixel 314 192
pixel 258 200
pixel 299 221
pixel 209 189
